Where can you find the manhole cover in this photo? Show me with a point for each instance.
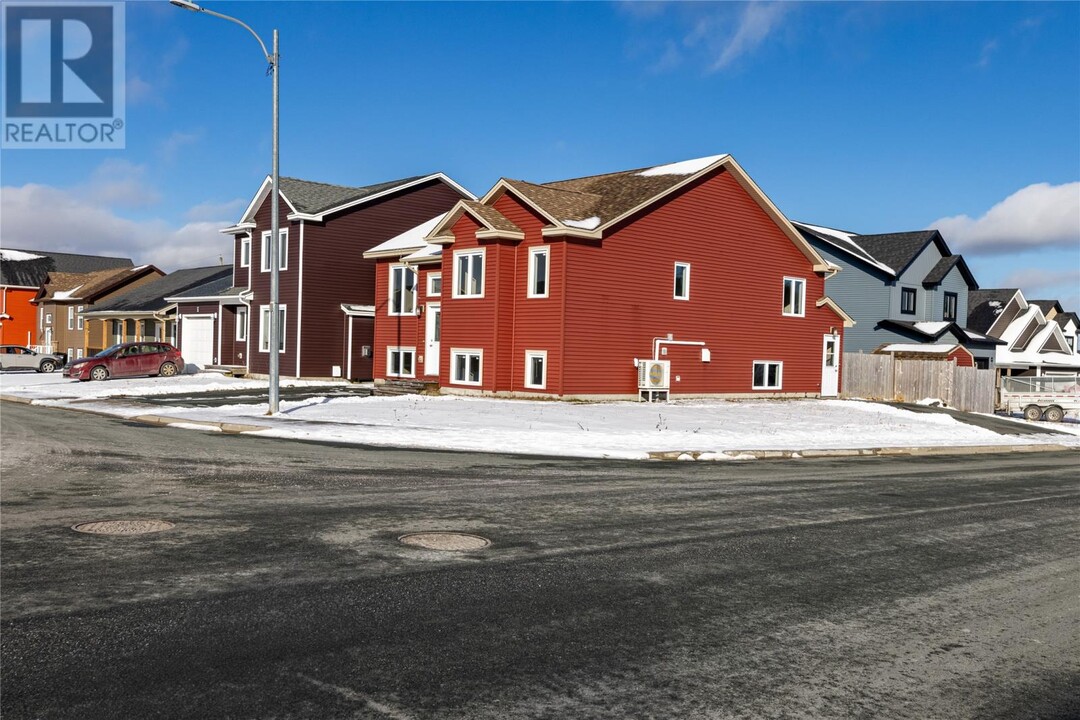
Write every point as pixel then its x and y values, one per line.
pixel 445 541
pixel 122 527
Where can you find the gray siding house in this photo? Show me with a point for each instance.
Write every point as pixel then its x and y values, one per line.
pixel 900 288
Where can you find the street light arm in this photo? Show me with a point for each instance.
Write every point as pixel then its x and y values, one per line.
pixel 266 53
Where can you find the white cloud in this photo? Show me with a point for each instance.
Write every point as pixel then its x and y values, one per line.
pixel 40 217
pixel 120 183
pixel 1039 284
pixel 213 210
pixel 757 21
pixel 1037 216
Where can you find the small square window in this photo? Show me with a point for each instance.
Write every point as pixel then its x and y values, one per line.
pixel 536 369
pixel 768 375
pixel 466 366
pixel 794 297
pixel 682 281
pixel 401 362
pixel 434 284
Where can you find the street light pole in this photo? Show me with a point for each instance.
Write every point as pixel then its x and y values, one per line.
pixel 275 241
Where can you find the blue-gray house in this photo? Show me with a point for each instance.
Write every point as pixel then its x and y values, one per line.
pixel 901 289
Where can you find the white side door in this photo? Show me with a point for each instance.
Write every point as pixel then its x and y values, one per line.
pixel 197 340
pixel 830 366
pixel 431 338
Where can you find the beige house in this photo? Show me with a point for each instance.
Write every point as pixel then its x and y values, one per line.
pixel 65 297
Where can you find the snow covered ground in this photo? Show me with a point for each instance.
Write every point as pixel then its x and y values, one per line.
pixel 621 430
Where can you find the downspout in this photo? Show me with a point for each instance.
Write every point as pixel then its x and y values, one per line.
pixel 300 299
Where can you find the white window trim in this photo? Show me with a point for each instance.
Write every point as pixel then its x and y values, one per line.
pixel 454 352
pixel 533 252
pixel 779 375
pixel 245 244
pixel 686 282
pixel 431 278
pixel 529 355
pixel 283 250
pixel 401 350
pixel 482 252
pixel 390 291
pixel 241 327
pixel 264 332
pixel 78 353
pixel 48 318
pixel 71 317
pixel 79 323
pixel 800 311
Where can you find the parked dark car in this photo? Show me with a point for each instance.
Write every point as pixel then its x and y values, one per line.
pixel 18 356
pixel 128 360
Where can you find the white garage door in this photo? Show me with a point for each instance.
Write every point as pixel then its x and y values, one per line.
pixel 197 340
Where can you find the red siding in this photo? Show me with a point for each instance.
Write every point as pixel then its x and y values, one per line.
pixel 962 357
pixel 620 297
pixel 407 331
pixel 468 323
pixel 334 272
pixel 21 327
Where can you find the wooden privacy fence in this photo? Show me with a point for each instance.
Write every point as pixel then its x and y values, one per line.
pixel 883 377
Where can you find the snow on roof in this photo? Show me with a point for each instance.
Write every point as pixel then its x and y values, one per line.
pixel 411 238
pixel 846 241
pixel 976 336
pixel 66 294
pixel 686 167
pixel 428 251
pixel 932 328
pixel 140 267
pixel 18 255
pixel 590 223
pixel 1020 323
pixel 918 348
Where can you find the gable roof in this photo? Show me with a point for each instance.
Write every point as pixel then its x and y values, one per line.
pixel 927 331
pixel 151 296
pixel 1063 318
pixel 87 287
pixel 898 250
pixel 220 286
pixel 587 207
pixel 1047 305
pixel 985 306
pixel 944 266
pixel 842 240
pixel 30 268
pixel 310 200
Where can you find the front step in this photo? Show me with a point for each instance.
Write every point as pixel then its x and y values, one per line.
pixel 405 387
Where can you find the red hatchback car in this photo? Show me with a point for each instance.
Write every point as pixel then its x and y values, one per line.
pixel 128 360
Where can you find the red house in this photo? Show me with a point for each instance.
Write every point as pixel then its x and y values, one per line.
pixel 680 279
pixel 326 287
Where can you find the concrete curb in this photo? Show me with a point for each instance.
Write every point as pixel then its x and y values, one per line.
pixel 856 452
pixel 16 399
pixel 225 427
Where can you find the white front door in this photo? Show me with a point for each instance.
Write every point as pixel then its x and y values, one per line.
pixel 431 344
pixel 197 340
pixel 830 366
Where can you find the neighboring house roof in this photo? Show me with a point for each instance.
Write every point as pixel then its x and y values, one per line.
pixel 1063 318
pixel 310 200
pixel 984 307
pixel 898 250
pixel 217 287
pixel 87 287
pixel 1047 305
pixel 586 207
pixel 944 266
pixel 151 296
pixel 30 268
pixel 842 240
pixel 935 330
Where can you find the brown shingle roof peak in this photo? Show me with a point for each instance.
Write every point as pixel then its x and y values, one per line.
pixel 492 217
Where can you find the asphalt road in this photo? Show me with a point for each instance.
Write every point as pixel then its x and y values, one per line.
pixel 868 587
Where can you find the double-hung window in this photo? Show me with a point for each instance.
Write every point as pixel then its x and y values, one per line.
pixel 682 281
pixel 466 366
pixel 949 309
pixel 401 361
pixel 245 251
pixel 78 317
pixel 536 369
pixel 538 272
pixel 469 273
pixel 402 290
pixel 241 323
pixel 768 374
pixel 907 301
pixel 794 297
pixel 283 250
pixel 264 328
pixel 71 317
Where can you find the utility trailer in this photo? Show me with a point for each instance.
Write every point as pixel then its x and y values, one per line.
pixel 1049 396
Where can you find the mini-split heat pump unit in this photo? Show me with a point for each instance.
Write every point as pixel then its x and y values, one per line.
pixel 654 379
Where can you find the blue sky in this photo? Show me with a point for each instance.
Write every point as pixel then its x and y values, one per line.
pixel 870 117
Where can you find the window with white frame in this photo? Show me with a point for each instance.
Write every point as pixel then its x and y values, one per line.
pixel 401 362
pixel 768 374
pixel 71 317
pixel 536 369
pixel 466 366
pixel 71 352
pixel 469 273
pixel 682 281
pixel 794 297
pixel 538 272
pixel 283 250
pixel 78 353
pixel 241 323
pixel 402 290
pixel 79 317
pixel 434 284
pixel 245 251
pixel 48 318
pixel 264 328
